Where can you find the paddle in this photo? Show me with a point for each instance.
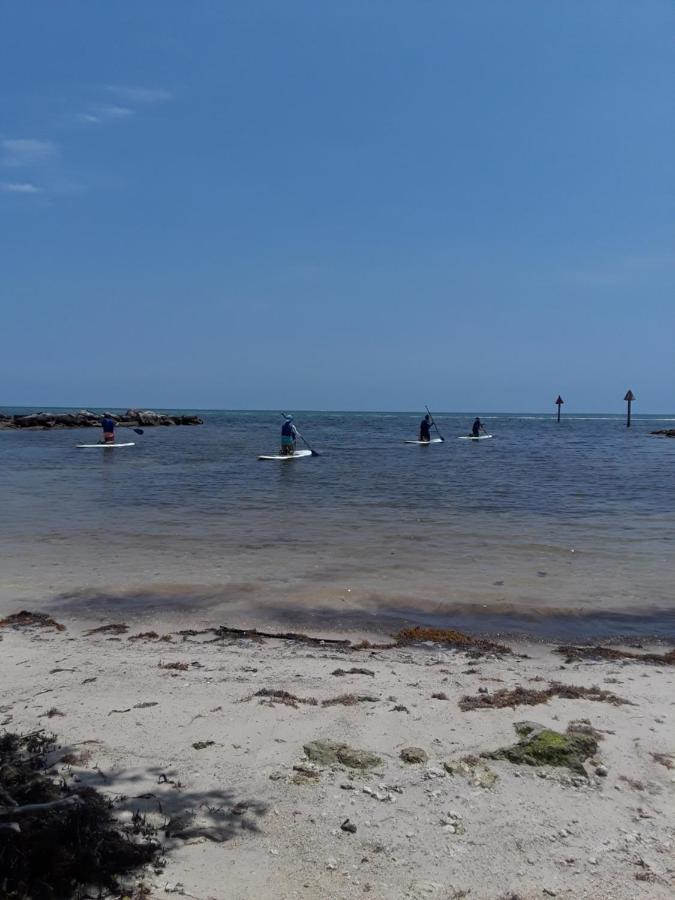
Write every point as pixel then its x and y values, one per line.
pixel 311 449
pixel 434 424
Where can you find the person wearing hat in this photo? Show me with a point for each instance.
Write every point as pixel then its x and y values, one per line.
pixel 108 426
pixel 289 435
pixel 425 429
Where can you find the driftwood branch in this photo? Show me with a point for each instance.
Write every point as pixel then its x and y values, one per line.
pixel 30 808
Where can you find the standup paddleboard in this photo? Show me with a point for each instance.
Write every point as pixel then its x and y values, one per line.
pixel 424 443
pixel 88 446
pixel 299 454
pixel 470 437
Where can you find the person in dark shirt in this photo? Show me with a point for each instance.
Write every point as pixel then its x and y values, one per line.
pixel 288 436
pixel 476 428
pixel 425 429
pixel 108 426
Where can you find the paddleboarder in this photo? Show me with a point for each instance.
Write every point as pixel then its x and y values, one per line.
pixel 289 434
pixel 425 429
pixel 477 425
pixel 108 426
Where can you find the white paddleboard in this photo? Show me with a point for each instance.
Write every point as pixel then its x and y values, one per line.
pixel 89 446
pixel 424 443
pixel 299 454
pixel 470 437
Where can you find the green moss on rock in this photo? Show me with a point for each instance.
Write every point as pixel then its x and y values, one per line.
pixel 540 746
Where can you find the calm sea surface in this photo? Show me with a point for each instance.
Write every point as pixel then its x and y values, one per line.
pixel 564 530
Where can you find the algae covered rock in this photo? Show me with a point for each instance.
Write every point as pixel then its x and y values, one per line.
pixel 541 746
pixel 413 755
pixel 323 752
pixel 332 753
pixel 358 759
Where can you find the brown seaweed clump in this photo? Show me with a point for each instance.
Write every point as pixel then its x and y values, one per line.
pixel 573 654
pixel 56 842
pixel 450 636
pixel 520 696
pixel 350 700
pixel 113 628
pixel 26 619
pixel 274 695
pixel 415 634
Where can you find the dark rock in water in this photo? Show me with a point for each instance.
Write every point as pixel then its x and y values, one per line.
pixel 665 432
pixel 132 418
pixel 541 746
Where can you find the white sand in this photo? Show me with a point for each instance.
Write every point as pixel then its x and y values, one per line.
pixel 528 836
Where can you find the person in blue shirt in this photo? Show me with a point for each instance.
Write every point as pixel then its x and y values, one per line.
pixel 425 429
pixel 108 426
pixel 289 435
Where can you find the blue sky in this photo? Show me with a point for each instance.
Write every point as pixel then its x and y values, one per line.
pixel 368 204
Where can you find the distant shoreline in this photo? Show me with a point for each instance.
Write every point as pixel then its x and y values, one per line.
pixel 547 413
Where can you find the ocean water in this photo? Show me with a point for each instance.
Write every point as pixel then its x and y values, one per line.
pixel 552 529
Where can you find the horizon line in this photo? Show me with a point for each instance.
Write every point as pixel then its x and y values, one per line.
pixel 298 410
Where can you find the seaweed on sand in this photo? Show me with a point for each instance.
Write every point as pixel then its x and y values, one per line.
pixel 113 628
pixel 450 636
pixel 349 700
pixel 224 631
pixel 26 619
pixel 415 634
pixel 520 696
pixel 274 695
pixel 573 654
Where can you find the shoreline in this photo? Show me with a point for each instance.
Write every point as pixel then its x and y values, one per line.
pixel 195 729
pixel 361 615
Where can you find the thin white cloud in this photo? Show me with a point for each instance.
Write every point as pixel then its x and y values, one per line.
pixel 20 187
pixel 101 113
pixel 17 152
pixel 623 269
pixel 132 94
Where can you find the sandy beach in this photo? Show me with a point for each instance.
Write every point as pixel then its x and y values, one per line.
pixel 337 470
pixel 257 793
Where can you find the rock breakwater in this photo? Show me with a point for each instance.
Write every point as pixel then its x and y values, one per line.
pixel 145 418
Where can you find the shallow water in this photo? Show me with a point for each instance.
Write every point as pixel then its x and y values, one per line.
pixel 546 528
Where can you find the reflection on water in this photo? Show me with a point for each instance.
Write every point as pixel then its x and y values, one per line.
pixel 577 517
